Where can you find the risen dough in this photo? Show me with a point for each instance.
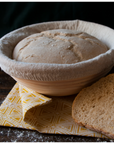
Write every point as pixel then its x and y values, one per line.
pixel 59 46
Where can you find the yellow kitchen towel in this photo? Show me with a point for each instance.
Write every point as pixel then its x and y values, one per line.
pixel 28 109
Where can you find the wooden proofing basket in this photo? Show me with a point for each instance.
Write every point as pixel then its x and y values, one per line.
pixel 57 79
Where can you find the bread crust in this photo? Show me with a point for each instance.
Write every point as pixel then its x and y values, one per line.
pixel 110 77
pixel 94 129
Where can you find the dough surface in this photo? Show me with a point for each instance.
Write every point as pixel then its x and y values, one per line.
pixel 59 46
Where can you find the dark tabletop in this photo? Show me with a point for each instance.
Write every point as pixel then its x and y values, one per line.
pixel 10 134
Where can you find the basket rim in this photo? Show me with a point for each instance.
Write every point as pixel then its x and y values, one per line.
pixel 44 71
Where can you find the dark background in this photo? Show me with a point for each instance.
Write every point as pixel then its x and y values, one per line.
pixel 14 15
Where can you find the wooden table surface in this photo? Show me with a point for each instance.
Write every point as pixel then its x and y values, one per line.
pixel 10 134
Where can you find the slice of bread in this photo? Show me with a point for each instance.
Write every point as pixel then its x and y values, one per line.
pixel 93 107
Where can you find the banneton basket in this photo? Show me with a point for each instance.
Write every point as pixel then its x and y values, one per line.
pixel 57 79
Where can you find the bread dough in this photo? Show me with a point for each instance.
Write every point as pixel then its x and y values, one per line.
pixel 61 46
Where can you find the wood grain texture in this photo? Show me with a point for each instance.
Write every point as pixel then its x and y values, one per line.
pixel 8 134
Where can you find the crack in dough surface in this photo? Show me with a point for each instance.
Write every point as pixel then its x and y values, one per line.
pixel 60 46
